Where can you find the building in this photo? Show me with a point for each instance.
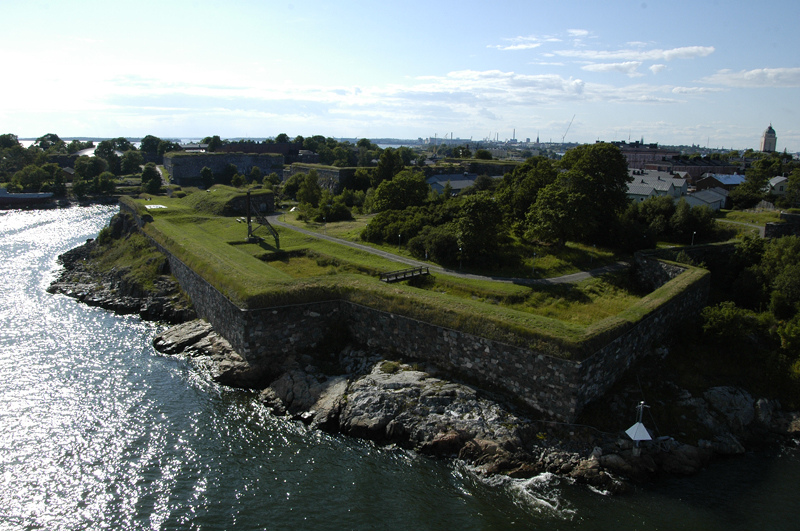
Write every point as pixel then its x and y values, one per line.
pixel 769 140
pixel 778 185
pixel 716 180
pixel 639 154
pixel 707 198
pixel 693 168
pixel 655 183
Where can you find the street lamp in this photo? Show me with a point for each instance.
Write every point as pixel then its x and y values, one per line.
pixel 459 257
pixel 693 233
pixel 398 242
pixel 534 263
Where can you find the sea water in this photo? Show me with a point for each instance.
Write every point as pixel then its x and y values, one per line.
pixel 98 431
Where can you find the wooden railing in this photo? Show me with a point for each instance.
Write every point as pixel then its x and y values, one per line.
pixel 397 276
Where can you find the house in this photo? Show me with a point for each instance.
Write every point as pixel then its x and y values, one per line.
pixel 714 180
pixel 706 198
pixel 639 192
pixel 458 181
pixel 661 183
pixel 778 185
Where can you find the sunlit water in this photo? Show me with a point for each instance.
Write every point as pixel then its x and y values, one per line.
pixel 98 431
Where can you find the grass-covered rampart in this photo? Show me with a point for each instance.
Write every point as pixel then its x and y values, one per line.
pixel 568 321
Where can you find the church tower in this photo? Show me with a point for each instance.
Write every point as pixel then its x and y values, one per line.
pixel 768 140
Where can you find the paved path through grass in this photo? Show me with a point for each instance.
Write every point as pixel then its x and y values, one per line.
pixel 759 228
pixel 564 279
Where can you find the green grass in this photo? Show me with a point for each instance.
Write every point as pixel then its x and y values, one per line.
pixel 570 321
pixel 760 218
pixel 135 254
pixel 550 261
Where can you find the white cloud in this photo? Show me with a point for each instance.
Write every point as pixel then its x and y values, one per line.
pixel 577 32
pixel 523 46
pixel 657 68
pixel 628 68
pixel 695 90
pixel 760 77
pixel 686 52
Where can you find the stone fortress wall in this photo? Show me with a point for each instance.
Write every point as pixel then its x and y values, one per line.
pixel 185 169
pixel 557 387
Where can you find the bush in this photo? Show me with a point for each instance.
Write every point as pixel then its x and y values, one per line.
pixel 727 324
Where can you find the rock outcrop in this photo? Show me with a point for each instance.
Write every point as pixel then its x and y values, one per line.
pixel 113 291
pixel 210 353
pixel 413 407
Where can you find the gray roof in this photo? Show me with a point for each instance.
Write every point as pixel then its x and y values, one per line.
pixel 707 196
pixel 640 189
pixel 443 178
pixel 730 180
pixel 777 180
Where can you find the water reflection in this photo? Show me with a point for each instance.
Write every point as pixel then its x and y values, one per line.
pixel 97 431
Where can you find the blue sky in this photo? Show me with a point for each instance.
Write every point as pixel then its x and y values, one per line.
pixel 702 72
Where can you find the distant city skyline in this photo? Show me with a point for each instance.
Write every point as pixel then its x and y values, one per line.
pixel 709 73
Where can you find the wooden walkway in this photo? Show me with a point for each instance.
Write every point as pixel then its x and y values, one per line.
pixel 405 274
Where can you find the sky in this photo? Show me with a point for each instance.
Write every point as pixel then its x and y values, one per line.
pixel 711 73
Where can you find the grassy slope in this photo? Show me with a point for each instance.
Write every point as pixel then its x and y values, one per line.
pixel 559 321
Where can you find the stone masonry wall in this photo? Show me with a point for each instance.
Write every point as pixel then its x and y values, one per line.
pixel 185 169
pixel 557 387
pixel 599 372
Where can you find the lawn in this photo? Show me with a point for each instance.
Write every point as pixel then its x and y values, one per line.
pixel 753 217
pixel 538 261
pixel 563 320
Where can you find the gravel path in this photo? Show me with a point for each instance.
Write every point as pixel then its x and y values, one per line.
pixel 564 279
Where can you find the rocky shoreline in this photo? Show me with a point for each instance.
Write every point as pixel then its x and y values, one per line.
pixel 361 394
pixel 113 291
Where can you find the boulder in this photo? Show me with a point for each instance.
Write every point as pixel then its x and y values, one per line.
pixel 735 406
pixel 684 460
pixel 175 339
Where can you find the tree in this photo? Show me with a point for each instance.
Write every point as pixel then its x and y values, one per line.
pixel 462 152
pixel 389 165
pixel 793 187
pixel 255 173
pixel 207 176
pixel 8 140
pixel 104 183
pixel 77 145
pixel 282 138
pixel 80 187
pixel 518 190
pixel 478 225
pixel 31 177
pixel 560 212
pixel 483 154
pixel 309 190
pixel 104 149
pixel 601 175
pixel 228 172
pixel 271 180
pixel 406 189
pixel 341 156
pixel 44 142
pixel 238 180
pixel 90 167
pixel 151 178
pixel 150 144
pixel 131 161
pixel 213 143
pixel 167 146
pixel 691 223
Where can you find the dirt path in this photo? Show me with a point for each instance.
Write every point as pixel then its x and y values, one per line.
pixel 564 279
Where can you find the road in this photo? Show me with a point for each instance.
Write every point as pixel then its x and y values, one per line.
pixel 564 279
